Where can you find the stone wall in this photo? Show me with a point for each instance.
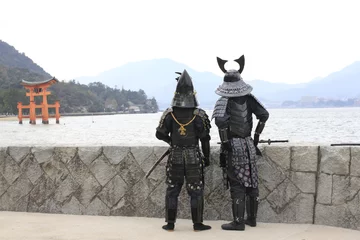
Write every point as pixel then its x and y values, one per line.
pixel 299 184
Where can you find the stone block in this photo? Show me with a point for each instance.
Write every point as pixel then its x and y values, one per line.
pixel 139 192
pixel 49 206
pixel 73 207
pixel 306 182
pixel 42 154
pixel 304 158
pixel 184 209
pixel 300 210
pixel 89 154
pixel 355 161
pixel 266 213
pixel 159 151
pixel 102 170
pixel 115 154
pixel 270 174
pixel 88 189
pixel 97 207
pixel 279 155
pixel 263 191
pixel 142 153
pixel 354 210
pixel 44 189
pixel 335 160
pixel 6 203
pixel 56 170
pixel 282 195
pixel 219 197
pixel 158 175
pixel 324 189
pixel 226 211
pixel 215 156
pixel 2 153
pixel 157 196
pixel 66 189
pixel 64 154
pixel 78 169
pixel 20 188
pixel 31 168
pixel 9 168
pixel 210 212
pixel 123 208
pixel 344 189
pixel 130 170
pixel 113 191
pixel 3 184
pixel 18 153
pixel 337 216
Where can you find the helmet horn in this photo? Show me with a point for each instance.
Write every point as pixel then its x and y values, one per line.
pixel 221 64
pixel 241 62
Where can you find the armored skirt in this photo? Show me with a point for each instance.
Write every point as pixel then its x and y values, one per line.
pixel 241 162
pixel 185 163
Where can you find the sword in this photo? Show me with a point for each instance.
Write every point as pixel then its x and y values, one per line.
pixel 269 141
pixel 167 152
pixel 344 144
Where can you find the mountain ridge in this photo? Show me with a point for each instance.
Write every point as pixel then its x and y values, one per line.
pixel 157 78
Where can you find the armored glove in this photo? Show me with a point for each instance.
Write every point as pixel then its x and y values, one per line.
pixel 206 162
pixel 222 160
pixel 226 146
pixel 256 139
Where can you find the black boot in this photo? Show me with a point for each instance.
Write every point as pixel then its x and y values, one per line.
pixel 251 210
pixel 238 208
pixel 197 210
pixel 169 227
pixel 170 213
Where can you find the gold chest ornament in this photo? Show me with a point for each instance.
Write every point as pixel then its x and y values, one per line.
pixel 182 129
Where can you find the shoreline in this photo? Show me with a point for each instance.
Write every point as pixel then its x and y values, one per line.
pixel 14 117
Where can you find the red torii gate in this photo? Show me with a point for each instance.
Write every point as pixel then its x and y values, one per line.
pixel 35 89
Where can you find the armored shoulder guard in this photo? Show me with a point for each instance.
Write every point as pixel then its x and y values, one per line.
pixel 204 117
pixel 220 107
pixel 165 113
pixel 257 100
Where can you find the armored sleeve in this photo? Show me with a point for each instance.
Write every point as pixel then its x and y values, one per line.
pixel 222 117
pixel 220 113
pixel 164 127
pixel 202 126
pixel 258 109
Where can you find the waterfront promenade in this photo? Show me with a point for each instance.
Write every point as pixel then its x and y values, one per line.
pixel 38 226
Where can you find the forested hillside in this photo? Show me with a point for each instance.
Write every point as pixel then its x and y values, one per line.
pixel 74 97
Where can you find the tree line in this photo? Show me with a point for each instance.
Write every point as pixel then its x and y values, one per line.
pixel 73 96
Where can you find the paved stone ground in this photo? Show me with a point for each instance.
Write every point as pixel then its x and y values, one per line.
pixel 39 226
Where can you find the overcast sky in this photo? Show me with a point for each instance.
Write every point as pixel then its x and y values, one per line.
pixel 283 41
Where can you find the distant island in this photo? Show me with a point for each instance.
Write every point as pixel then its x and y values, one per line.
pixel 74 97
pixel 318 102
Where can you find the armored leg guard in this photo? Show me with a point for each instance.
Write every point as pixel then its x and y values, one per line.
pixel 238 208
pixel 251 210
pixel 170 213
pixel 197 211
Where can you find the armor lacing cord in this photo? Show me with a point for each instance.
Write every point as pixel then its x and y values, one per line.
pixel 182 129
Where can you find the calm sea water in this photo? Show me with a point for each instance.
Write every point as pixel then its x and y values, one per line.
pixel 299 126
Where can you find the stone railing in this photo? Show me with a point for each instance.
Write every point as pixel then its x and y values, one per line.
pixel 299 184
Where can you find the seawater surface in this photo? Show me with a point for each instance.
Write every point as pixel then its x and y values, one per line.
pixel 320 126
